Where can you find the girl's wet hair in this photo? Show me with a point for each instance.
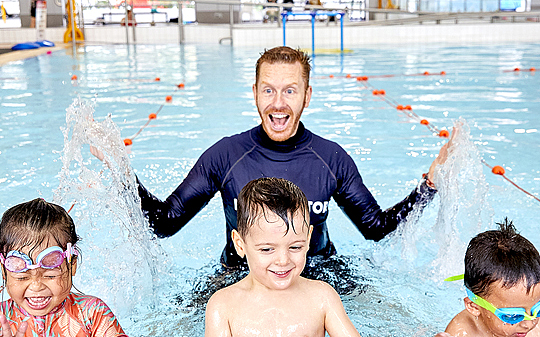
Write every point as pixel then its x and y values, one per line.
pixel 32 222
pixel 276 195
pixel 501 255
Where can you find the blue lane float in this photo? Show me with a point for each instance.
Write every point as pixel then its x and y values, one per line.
pixel 32 45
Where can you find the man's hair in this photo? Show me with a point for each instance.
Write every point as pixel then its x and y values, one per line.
pixel 500 255
pixel 30 223
pixel 276 195
pixel 284 55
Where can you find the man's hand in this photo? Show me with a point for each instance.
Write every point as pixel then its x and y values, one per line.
pixel 441 158
pixel 6 330
pixel 97 153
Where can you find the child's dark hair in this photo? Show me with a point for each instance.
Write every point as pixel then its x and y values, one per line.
pixel 32 222
pixel 500 255
pixel 276 195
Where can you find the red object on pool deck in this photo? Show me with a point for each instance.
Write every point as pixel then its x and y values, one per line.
pixel 497 170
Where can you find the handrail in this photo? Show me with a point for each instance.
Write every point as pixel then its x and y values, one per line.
pixel 415 17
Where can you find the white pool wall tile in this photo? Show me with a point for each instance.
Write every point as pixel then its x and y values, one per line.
pixel 297 34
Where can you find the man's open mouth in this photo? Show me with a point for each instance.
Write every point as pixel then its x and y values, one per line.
pixel 278 121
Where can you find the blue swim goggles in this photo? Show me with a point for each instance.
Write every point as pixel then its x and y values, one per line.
pixel 50 258
pixel 507 315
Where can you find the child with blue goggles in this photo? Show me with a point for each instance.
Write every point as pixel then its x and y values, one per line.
pixel 502 276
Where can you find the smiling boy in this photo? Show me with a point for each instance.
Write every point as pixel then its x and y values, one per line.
pixel 273 299
pixel 502 276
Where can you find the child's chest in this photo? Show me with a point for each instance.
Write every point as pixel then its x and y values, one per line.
pixel 280 317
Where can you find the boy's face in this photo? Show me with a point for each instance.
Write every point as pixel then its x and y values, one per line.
pixel 500 297
pixel 275 259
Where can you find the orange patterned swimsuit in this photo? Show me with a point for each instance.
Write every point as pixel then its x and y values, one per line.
pixel 78 316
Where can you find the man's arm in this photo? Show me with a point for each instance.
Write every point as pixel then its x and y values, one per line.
pixel 167 217
pixel 216 322
pixel 336 321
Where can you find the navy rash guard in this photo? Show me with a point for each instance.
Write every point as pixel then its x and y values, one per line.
pixel 321 168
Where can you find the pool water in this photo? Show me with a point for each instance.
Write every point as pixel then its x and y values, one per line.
pixel 152 285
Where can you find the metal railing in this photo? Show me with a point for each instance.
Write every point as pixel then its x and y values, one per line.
pixel 384 16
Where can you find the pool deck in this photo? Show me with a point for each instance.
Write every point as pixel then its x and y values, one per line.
pixel 17 55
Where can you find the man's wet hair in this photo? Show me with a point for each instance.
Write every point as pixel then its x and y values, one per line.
pixel 275 195
pixel 31 223
pixel 284 55
pixel 501 255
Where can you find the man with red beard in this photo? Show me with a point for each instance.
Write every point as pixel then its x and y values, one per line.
pixel 282 147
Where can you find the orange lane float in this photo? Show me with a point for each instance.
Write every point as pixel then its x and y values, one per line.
pixel 74 77
pixel 168 98
pixel 444 134
pixel 498 170
pixel 181 85
pixel 128 142
pixel 152 116
pixel 157 79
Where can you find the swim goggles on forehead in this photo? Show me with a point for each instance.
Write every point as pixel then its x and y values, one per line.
pixel 507 315
pixel 50 258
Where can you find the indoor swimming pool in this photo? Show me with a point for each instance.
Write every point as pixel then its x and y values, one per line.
pixel 158 287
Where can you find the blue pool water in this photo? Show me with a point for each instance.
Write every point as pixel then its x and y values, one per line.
pixel 150 283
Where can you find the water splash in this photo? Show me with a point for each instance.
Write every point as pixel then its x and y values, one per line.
pixel 464 209
pixel 437 246
pixel 108 215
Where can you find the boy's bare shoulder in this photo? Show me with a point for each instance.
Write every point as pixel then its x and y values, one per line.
pixel 227 296
pixel 463 324
pixel 320 290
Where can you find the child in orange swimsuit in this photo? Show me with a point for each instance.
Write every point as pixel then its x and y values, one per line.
pixel 38 254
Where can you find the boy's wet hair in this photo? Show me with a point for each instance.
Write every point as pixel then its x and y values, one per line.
pixel 276 195
pixel 501 255
pixel 284 55
pixel 30 223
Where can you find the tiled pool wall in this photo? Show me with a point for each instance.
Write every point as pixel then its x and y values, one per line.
pixel 297 35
